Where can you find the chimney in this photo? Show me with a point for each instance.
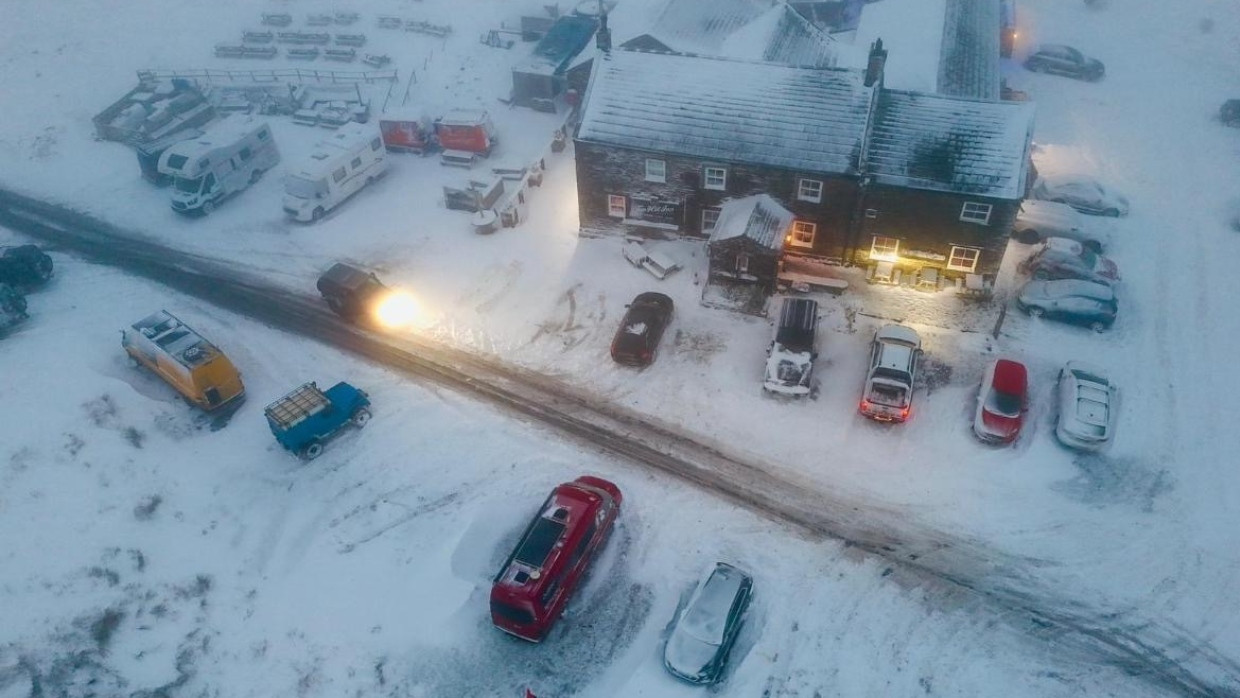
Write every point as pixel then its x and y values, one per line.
pixel 878 59
pixel 603 38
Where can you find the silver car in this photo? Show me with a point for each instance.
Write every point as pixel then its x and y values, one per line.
pixel 1087 404
pixel 705 630
pixel 1082 193
pixel 1037 220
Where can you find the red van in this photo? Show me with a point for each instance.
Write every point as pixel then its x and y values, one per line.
pixel 540 575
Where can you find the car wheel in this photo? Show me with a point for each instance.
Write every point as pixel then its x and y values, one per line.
pixel 1035 311
pixel 1112 212
pixel 1028 237
pixel 1098 327
pixel 317 213
pixel 1034 66
pixel 360 416
pixel 208 207
pixel 312 450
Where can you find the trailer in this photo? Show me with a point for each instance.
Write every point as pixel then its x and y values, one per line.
pixel 407 130
pixel 337 168
pixel 306 418
pixel 468 130
pixel 228 158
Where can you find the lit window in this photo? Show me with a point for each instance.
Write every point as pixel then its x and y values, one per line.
pixel 885 249
pixel 710 216
pixel 809 190
pixel 975 213
pixel 963 259
pixel 617 206
pixel 716 178
pixel 656 170
pixel 803 234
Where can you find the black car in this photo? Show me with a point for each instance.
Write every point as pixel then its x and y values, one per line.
pixel 698 647
pixel 639 333
pixel 1065 60
pixel 350 292
pixel 1229 113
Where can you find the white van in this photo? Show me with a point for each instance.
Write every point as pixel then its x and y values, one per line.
pixel 339 166
pixel 230 156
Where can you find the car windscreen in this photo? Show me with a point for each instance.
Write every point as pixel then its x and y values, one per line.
pixel 189 186
pixel 708 613
pixel 304 188
pixel 1004 404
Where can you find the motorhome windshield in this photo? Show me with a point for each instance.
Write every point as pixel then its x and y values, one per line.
pixel 189 186
pixel 304 188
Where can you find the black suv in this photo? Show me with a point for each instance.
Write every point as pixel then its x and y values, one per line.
pixel 350 292
pixel 25 266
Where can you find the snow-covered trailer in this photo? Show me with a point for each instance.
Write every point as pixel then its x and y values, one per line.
pixel 468 130
pixel 407 130
pixel 337 168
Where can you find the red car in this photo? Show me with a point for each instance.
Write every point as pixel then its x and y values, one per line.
pixel 1001 402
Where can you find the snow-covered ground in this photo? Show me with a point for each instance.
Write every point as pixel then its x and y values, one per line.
pixel 366 571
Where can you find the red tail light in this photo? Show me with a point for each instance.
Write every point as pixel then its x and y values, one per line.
pixel 865 405
pixel 904 413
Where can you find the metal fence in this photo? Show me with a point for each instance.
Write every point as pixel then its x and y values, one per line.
pixel 211 76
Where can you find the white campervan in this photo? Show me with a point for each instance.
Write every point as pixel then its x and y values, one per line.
pixel 229 157
pixel 339 166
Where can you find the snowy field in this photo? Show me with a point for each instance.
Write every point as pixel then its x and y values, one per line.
pixel 141 550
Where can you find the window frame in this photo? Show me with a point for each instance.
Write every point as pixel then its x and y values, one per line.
pixel 977 256
pixel 798 228
pixel 884 256
pixel 714 223
pixel 742 262
pixel 706 177
pixel 803 196
pixel 623 207
pixel 339 174
pixel 972 216
pixel 660 177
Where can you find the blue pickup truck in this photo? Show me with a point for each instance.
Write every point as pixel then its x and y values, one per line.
pixel 307 417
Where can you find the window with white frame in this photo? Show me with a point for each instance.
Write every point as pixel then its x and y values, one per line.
pixel 885 249
pixel 617 206
pixel 715 178
pixel 710 216
pixel 803 234
pixel 809 190
pixel 974 212
pixel 963 259
pixel 656 170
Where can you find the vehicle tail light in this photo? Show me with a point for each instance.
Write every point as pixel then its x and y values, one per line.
pixel 904 413
pixel 646 355
pixel 865 405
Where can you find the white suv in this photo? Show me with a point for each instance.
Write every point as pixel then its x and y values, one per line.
pixel 888 392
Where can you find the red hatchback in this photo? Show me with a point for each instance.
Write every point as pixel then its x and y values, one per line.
pixel 1001 402
pixel 540 575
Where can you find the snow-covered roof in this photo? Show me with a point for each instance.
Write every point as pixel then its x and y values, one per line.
pixel 925 141
pixel 969 59
pixel 560 45
pixel 805 119
pixel 759 218
pixel 765 30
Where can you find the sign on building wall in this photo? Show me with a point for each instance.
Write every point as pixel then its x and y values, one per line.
pixel 659 212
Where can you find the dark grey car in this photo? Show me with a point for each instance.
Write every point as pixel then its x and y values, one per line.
pixel 1065 60
pixel 1072 301
pixel 698 647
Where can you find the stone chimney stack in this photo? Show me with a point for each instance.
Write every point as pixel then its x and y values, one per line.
pixel 603 38
pixel 878 59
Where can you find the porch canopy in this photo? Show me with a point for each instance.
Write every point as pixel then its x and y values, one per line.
pixel 758 218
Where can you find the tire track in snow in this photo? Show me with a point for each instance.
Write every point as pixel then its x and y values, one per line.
pixel 1155 652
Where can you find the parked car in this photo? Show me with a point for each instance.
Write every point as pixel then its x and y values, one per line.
pixel 637 338
pixel 25 266
pixel 894 355
pixel 1229 113
pixel 1087 403
pixel 1082 193
pixel 306 418
pixel 1065 60
pixel 12 306
pixel 1001 402
pixel 706 628
pixel 1061 258
pixel 790 358
pixel 1070 300
pixel 1037 220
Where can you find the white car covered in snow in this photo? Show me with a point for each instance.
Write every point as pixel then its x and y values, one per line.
pixel 894 356
pixel 790 359
pixel 1038 220
pixel 1087 404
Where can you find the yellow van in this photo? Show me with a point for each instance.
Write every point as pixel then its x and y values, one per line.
pixel 196 368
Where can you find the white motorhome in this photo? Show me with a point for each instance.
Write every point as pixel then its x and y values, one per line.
pixel 230 156
pixel 339 166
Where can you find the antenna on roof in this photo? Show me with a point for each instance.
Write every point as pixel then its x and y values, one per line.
pixel 603 39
